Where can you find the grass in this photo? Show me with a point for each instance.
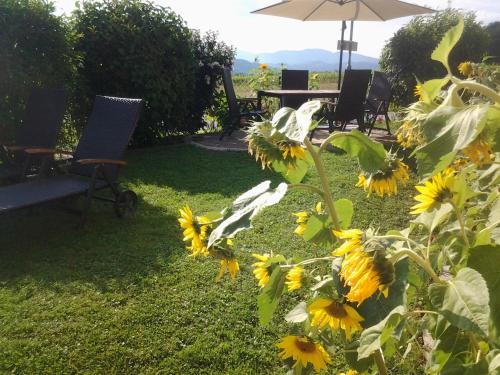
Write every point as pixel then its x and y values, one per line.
pixel 122 297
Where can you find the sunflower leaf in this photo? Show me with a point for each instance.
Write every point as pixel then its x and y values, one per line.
pixel 463 301
pixel 269 298
pixel 298 314
pixel 432 88
pixel 371 154
pixel 295 124
pixel 374 337
pixel 345 209
pixel 245 208
pixel 450 39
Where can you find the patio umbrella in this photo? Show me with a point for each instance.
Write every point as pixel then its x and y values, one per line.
pixel 343 10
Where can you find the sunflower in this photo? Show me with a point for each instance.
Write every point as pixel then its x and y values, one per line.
pixel 418 91
pixel 195 230
pixel 365 275
pixel 292 151
pixel 294 278
pixel 353 237
pixel 362 273
pixel 479 152
pixel 349 372
pixel 230 264
pixel 329 312
pixel 302 218
pixel 434 191
pixel 408 135
pixel 304 350
pixel 263 66
pixel 261 271
pixel 385 182
pixel 465 68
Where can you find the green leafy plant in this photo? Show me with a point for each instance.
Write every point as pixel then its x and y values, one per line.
pixel 35 51
pixel 362 288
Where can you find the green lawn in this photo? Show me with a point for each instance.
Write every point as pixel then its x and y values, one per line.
pixel 121 296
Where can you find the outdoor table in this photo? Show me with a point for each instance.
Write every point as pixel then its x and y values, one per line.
pixel 308 94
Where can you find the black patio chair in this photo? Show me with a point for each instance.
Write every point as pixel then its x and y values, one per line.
pixel 239 108
pixel 294 80
pixel 94 165
pixel 351 101
pixel 40 127
pixel 378 101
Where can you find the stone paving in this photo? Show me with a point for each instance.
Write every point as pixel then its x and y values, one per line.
pixel 236 142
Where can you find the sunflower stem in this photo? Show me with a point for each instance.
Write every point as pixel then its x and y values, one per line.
pixel 424 263
pixel 312 188
pixel 306 262
pixel 477 87
pixel 327 195
pixel 462 225
pixel 380 362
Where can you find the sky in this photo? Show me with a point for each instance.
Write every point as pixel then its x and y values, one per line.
pixel 258 33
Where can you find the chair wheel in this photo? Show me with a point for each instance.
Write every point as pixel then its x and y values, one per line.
pixel 126 203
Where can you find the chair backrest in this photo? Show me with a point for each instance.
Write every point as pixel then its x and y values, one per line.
pixel 350 105
pixel 227 80
pixel 294 80
pixel 45 111
pixel 380 92
pixel 107 134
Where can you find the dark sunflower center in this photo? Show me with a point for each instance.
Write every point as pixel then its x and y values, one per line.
pixel 197 226
pixel 305 346
pixel 443 195
pixel 336 309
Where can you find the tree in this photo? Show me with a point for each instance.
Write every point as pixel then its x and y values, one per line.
pixel 493 30
pixel 405 58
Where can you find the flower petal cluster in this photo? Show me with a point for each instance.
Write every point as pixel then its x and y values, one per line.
pixel 195 231
pixel 479 152
pixel 261 271
pixel 364 273
pixel 327 312
pixel 434 191
pixel 229 264
pixel 268 145
pixel 466 69
pixel 303 217
pixel 303 350
pixel 294 278
pixel 385 182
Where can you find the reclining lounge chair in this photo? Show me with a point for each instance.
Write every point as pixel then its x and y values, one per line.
pixel 94 165
pixel 42 121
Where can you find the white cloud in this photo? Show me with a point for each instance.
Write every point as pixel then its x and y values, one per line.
pixel 257 33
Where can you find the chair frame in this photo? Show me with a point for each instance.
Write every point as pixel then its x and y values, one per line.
pixel 378 101
pixel 239 108
pixel 294 80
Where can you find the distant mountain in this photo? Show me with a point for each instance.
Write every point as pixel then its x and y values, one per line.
pixel 317 60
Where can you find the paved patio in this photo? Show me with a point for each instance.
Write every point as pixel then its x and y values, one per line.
pixel 236 141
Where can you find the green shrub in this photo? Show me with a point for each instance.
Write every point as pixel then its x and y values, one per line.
pixel 493 30
pixel 34 51
pixel 407 54
pixel 137 49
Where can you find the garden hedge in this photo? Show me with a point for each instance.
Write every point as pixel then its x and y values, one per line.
pixel 137 49
pixel 35 50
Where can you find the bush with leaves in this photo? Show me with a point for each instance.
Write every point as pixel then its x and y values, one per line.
pixel 361 290
pixel 405 57
pixel 35 50
pixel 134 48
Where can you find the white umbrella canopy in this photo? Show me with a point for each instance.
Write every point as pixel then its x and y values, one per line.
pixel 343 10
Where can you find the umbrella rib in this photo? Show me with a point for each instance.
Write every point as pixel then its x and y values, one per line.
pixel 271 6
pixel 369 7
pixel 314 10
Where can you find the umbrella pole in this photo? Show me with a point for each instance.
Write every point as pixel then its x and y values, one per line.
pixel 341 54
pixel 350 47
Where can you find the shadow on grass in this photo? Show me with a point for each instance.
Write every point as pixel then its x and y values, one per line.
pixel 194 170
pixel 47 244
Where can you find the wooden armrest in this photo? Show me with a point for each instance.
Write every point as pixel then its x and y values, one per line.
pixel 247 99
pixel 101 161
pixel 46 151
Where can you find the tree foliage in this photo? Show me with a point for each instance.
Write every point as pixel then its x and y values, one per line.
pixel 35 50
pixel 137 49
pixel 405 58
pixel 493 30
